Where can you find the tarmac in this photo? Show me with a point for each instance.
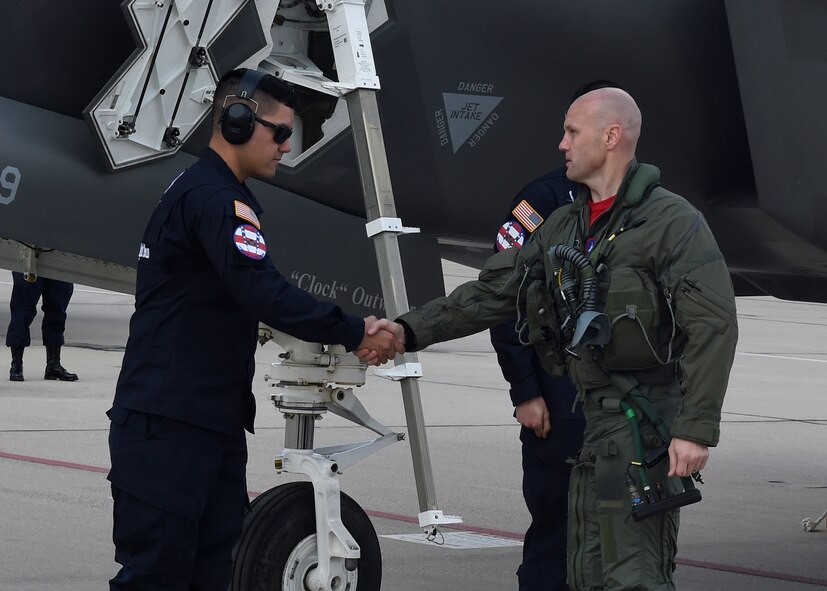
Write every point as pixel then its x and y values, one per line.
pixel 768 473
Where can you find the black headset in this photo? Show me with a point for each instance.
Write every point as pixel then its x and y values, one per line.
pixel 237 120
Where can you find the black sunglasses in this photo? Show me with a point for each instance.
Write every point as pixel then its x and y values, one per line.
pixel 281 133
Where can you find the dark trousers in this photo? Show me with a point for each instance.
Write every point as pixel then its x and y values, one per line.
pixel 24 297
pixel 180 497
pixel 545 489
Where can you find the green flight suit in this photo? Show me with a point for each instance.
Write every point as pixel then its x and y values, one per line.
pixel 666 289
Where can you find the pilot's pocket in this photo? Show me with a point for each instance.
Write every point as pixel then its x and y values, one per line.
pixel 583 558
pixel 136 423
pixel 702 302
pixel 633 305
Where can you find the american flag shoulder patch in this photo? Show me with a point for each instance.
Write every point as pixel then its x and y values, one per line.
pixel 530 219
pixel 244 211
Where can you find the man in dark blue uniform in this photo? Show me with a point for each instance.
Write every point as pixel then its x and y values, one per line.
pixel 552 429
pixel 24 297
pixel 184 398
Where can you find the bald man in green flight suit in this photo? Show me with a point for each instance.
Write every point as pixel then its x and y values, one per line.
pixel 626 291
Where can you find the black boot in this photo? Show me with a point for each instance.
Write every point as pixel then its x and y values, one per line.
pixel 54 370
pixel 16 371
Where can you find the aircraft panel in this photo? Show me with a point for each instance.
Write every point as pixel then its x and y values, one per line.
pixel 516 65
pixel 58 55
pixel 63 201
pixel 473 97
pixel 781 56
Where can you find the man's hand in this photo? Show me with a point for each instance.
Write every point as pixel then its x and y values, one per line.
pixel 533 414
pixel 686 457
pixel 382 341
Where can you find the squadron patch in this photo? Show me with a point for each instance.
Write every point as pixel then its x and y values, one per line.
pixel 249 242
pixel 530 219
pixel 244 211
pixel 510 235
pixel 590 244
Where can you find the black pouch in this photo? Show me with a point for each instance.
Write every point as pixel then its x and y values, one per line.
pixel 544 329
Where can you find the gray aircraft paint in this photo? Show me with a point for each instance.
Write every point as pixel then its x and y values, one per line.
pixel 719 83
pixel 69 203
pixel 9 183
pixel 773 41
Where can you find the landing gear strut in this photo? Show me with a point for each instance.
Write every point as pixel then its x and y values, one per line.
pixel 310 536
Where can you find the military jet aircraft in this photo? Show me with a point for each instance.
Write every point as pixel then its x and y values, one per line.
pixel 472 99
pixel 102 104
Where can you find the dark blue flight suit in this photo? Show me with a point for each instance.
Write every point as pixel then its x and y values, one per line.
pixel 545 469
pixel 184 397
pixel 23 305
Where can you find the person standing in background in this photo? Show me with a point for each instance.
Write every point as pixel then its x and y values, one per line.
pixel 24 297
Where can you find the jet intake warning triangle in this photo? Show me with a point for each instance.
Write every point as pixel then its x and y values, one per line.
pixel 466 113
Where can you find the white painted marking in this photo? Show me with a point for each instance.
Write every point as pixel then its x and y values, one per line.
pixel 460 540
pixel 782 357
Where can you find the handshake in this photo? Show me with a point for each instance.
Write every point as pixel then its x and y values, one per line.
pixel 382 341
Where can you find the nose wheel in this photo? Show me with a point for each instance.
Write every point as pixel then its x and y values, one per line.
pixel 277 550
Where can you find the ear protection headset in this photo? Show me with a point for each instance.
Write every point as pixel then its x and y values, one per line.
pixel 238 119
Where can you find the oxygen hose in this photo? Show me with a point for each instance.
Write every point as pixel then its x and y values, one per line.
pixel 583 264
pixel 634 424
pixel 655 501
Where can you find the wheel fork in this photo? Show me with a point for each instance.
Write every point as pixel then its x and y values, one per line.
pixel 338 552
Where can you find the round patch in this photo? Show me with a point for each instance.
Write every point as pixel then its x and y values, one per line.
pixel 590 244
pixel 510 235
pixel 249 242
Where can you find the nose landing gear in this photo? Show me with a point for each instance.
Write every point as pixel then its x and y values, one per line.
pixel 310 536
pixel 278 549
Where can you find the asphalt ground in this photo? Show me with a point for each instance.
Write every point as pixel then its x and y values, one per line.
pixel 766 475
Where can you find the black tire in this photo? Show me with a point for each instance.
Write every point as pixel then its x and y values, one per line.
pixel 279 520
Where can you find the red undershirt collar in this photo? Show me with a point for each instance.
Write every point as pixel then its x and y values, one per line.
pixel 596 209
